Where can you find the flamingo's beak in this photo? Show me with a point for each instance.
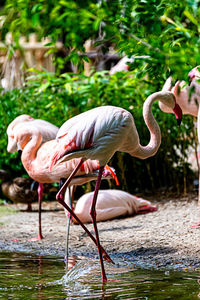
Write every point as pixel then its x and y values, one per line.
pixel 179 121
pixel 20 152
pixel 178 113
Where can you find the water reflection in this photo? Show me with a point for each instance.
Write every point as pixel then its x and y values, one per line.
pixel 24 276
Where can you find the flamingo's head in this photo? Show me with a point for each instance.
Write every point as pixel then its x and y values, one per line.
pixel 178 113
pixel 168 104
pixel 12 143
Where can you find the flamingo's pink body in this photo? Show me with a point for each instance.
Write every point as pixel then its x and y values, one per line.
pixel 100 132
pixel 38 145
pixel 111 204
pixel 36 159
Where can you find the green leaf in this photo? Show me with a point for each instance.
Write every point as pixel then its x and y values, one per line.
pixel 43 87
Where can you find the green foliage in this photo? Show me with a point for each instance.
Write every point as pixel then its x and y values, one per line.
pixel 6 210
pixel 165 30
pixel 58 98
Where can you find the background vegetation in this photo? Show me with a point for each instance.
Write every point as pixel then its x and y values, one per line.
pixel 165 31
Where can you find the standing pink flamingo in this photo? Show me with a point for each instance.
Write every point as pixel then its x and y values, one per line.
pixel 48 132
pixel 111 204
pixel 99 133
pixel 36 159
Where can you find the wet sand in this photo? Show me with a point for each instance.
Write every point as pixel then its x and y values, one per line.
pixel 160 239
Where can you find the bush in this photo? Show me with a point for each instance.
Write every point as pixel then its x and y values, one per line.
pixel 58 98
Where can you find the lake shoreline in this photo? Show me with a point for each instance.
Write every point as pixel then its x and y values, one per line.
pixel 162 239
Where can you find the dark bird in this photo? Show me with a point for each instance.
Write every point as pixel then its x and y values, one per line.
pixel 18 190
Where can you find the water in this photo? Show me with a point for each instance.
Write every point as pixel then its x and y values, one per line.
pixel 25 276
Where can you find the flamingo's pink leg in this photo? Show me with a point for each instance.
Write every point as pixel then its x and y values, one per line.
pixel 93 215
pixel 60 199
pixel 40 196
pixel 69 179
pixel 29 207
pixel 71 191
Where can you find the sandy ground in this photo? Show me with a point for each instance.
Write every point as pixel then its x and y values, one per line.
pixel 160 239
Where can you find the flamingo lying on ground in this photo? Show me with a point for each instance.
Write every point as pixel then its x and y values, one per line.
pixel 99 133
pixel 36 159
pixel 48 132
pixel 111 204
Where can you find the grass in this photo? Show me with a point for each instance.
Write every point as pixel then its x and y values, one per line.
pixel 6 210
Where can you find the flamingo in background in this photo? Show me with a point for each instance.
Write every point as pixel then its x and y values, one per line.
pixel 36 159
pixel 181 90
pixel 99 133
pixel 188 103
pixel 48 132
pixel 111 204
pixel 123 64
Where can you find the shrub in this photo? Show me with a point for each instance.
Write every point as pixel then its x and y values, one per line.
pixel 58 98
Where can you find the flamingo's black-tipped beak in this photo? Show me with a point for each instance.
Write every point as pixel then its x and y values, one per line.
pixel 20 152
pixel 178 113
pixel 190 80
pixel 179 121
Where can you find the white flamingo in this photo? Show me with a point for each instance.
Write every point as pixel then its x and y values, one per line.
pixel 98 133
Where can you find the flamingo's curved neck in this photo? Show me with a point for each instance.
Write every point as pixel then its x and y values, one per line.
pixel 155 134
pixel 30 150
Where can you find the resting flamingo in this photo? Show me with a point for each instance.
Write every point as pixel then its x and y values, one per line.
pixel 99 133
pixel 36 159
pixel 111 204
pixel 48 132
